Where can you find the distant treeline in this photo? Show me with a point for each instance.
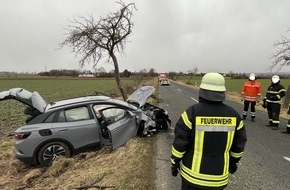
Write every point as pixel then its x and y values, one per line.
pixel 101 73
pixel 77 73
pixel 233 75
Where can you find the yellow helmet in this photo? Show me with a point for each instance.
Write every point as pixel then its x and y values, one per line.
pixel 213 82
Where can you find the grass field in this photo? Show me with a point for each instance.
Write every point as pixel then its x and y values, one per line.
pixel 60 88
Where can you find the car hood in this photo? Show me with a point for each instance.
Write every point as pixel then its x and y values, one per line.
pixel 141 95
pixel 32 99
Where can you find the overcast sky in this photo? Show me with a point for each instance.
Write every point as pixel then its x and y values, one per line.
pixel 168 35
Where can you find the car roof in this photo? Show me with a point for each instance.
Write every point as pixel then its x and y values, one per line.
pixel 86 99
pixel 36 101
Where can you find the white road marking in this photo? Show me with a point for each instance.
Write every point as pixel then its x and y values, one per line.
pixel 194 99
pixel 286 158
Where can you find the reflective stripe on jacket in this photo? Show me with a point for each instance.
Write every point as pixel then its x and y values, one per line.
pixel 275 93
pixel 251 91
pixel 206 135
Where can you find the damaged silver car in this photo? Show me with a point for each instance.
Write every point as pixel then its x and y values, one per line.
pixel 62 128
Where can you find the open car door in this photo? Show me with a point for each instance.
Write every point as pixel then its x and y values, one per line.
pixel 121 124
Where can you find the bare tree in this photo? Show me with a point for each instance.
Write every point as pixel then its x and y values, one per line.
pixel 195 70
pixel 94 40
pixel 151 72
pixel 281 57
pixel 192 73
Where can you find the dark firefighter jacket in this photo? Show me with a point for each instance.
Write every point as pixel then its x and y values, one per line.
pixel 207 135
pixel 275 93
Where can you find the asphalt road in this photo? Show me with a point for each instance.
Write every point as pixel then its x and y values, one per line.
pixel 266 161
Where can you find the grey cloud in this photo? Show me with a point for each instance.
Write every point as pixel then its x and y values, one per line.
pixel 221 35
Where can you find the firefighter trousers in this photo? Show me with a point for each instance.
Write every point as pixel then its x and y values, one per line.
pixel 186 186
pixel 273 113
pixel 246 108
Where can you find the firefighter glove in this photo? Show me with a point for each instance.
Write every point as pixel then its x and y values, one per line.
pixel 175 168
pixel 175 165
pixel 233 165
pixel 233 168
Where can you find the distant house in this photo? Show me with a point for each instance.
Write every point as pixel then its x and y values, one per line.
pixel 86 75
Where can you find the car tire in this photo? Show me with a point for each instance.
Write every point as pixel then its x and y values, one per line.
pixel 48 152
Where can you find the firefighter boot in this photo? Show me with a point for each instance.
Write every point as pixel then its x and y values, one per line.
pixel 244 117
pixel 270 124
pixel 275 127
pixel 253 119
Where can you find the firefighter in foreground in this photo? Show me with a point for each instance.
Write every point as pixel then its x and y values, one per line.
pixel 210 137
pixel 251 93
pixel 272 101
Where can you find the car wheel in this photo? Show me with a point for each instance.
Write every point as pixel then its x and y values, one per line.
pixel 50 151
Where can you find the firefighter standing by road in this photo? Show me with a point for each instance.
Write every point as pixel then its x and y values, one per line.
pixel 272 101
pixel 210 137
pixel 251 93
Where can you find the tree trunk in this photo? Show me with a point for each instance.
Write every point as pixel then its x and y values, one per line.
pixel 287 98
pixel 117 76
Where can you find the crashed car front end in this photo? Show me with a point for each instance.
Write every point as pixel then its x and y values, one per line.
pixel 147 126
pixel 158 115
pixel 153 118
